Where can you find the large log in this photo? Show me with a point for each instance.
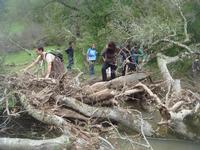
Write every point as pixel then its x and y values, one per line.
pixel 103 95
pixel 117 83
pixel 163 61
pixel 186 123
pixel 120 115
pixel 40 115
pixel 128 80
pixel 61 142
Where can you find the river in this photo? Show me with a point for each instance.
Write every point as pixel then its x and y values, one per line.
pixel 162 144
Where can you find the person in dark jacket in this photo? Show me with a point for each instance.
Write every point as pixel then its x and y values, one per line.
pixel 70 56
pixel 127 59
pixel 109 57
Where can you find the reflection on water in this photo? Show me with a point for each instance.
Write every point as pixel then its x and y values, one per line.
pixel 159 144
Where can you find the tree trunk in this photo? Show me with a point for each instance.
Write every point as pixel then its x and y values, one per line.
pixel 163 61
pixel 61 142
pixel 120 115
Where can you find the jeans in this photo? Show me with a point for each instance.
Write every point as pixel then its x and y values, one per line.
pixel 103 70
pixel 91 67
pixel 131 67
pixel 70 61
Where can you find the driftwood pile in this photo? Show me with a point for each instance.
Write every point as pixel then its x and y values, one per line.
pixel 82 113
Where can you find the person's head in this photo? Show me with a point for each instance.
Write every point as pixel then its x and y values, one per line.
pixel 145 48
pixel 39 50
pixel 128 46
pixel 136 47
pixel 70 44
pixel 93 46
pixel 111 45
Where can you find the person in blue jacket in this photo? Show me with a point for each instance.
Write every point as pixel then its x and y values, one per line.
pixel 91 58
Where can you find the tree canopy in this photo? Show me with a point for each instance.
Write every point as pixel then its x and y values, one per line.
pixel 54 22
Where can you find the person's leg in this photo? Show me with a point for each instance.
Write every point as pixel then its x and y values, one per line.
pixel 103 71
pixel 132 67
pixel 91 68
pixel 113 68
pixel 70 61
pixel 124 70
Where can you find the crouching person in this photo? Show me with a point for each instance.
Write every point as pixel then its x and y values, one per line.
pixel 55 66
pixel 109 57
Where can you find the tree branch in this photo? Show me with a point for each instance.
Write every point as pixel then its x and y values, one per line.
pixel 177 3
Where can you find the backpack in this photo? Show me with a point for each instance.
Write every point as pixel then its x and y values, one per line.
pixel 57 53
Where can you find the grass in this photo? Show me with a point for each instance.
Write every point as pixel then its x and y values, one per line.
pixel 16 28
pixel 17 58
pixel 16 61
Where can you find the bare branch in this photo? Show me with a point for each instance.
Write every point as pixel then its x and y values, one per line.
pixel 177 3
pixel 18 45
pixel 178 44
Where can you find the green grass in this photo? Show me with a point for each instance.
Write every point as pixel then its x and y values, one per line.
pixel 16 61
pixel 16 28
pixel 17 58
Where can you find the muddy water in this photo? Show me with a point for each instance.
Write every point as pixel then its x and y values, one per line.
pixel 173 144
pixel 162 144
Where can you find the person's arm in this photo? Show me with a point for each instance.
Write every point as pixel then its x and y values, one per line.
pixel 67 51
pixel 33 64
pixel 103 55
pixel 87 55
pixel 140 52
pixel 49 67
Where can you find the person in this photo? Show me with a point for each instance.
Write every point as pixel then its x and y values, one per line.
pixel 141 54
pixel 70 56
pixel 127 60
pixel 109 57
pixel 196 64
pixel 137 55
pixel 145 55
pixel 55 66
pixel 91 58
pixel 134 54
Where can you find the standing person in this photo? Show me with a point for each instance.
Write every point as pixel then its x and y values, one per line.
pixel 109 57
pixel 70 56
pixel 134 54
pixel 91 58
pixel 126 58
pixel 55 66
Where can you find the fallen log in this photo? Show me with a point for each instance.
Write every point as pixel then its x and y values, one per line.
pixel 61 142
pixel 93 98
pixel 186 123
pixel 128 80
pixel 120 115
pixel 117 83
pixel 51 119
pixel 40 115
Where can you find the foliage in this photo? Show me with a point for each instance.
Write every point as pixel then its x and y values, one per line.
pixel 2 64
pixel 32 23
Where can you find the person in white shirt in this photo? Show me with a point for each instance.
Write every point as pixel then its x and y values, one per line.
pixel 55 67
